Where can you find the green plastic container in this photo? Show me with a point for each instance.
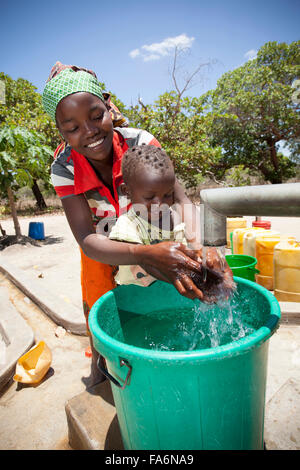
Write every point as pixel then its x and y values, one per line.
pixel 243 266
pixel 210 398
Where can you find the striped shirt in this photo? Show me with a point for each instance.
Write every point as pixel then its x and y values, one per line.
pixel 72 174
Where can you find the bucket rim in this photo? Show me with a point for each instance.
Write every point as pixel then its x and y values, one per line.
pixel 233 348
pixel 251 260
pixel 239 256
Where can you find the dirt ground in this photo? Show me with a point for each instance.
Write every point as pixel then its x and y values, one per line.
pixel 32 417
pixel 54 262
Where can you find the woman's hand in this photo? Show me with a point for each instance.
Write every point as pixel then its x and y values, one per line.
pixel 183 267
pixel 172 262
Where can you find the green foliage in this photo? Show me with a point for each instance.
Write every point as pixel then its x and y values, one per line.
pixel 252 109
pixel 27 136
pixel 179 124
pixel 23 157
pixel 23 108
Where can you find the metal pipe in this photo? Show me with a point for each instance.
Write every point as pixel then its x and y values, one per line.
pixel 279 200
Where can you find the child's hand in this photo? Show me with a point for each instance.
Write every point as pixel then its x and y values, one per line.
pixel 216 279
pixel 171 262
pixel 217 262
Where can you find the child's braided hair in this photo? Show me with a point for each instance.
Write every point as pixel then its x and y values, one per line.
pixel 142 156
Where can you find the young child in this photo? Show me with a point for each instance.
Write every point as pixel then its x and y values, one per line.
pixel 149 180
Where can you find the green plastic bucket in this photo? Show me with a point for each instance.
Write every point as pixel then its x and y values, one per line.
pixel 211 398
pixel 243 266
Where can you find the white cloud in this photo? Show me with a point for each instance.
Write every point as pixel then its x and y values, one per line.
pixel 133 54
pixel 250 55
pixel 149 57
pixel 157 50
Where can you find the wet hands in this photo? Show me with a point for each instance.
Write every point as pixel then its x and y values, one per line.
pixel 215 278
pixel 173 262
pixel 184 268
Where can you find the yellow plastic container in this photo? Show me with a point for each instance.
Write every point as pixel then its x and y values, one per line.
pixel 233 223
pixel 264 253
pixel 238 239
pixel 287 271
pixel 33 365
pixel 250 237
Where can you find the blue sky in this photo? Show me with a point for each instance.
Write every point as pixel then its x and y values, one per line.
pixel 129 43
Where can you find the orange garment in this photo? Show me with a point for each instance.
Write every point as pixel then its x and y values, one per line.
pixel 72 174
pixel 96 279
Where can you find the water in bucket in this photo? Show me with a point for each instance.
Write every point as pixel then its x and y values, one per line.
pixel 204 326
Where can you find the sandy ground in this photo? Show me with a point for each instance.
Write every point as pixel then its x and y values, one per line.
pixel 32 417
pixel 55 262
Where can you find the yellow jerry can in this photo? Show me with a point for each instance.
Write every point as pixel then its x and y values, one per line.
pixel 264 253
pixel 233 223
pixel 238 239
pixel 33 365
pixel 250 237
pixel 287 271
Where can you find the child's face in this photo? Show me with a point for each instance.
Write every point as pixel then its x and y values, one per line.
pixel 86 125
pixel 154 191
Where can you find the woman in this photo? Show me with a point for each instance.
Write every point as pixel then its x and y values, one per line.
pixel 86 174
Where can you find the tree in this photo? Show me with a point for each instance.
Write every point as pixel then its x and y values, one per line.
pixel 23 108
pixel 180 125
pixel 22 153
pixel 252 111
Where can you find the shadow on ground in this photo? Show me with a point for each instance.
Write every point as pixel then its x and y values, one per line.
pixel 9 240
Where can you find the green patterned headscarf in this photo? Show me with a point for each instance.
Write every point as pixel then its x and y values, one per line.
pixel 65 83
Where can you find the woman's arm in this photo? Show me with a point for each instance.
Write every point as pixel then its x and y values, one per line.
pixel 94 245
pixel 166 261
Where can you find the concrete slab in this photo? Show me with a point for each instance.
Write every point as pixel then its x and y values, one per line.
pixel 92 420
pixel 66 314
pixel 49 271
pixel 290 313
pixel 284 358
pixel 16 337
pixel 282 421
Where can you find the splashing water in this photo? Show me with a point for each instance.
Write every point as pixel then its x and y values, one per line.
pixel 221 323
pixel 204 326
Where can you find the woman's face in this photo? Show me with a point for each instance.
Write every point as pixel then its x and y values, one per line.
pixel 86 125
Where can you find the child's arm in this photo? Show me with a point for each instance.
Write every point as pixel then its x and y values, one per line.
pixel 218 268
pixel 188 213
